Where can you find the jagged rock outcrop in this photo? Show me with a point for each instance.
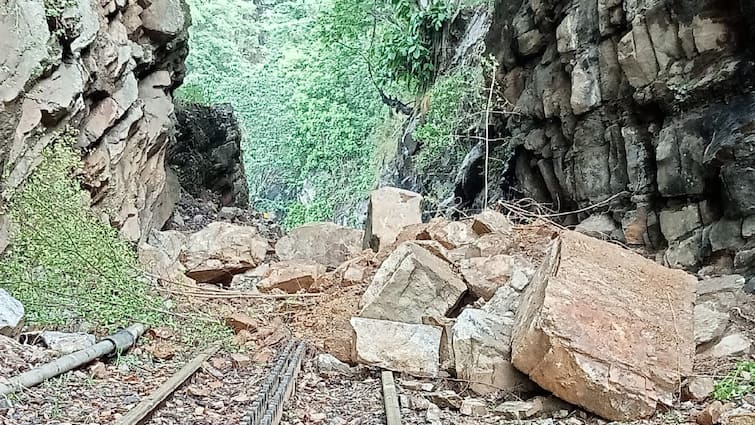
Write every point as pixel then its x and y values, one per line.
pixel 644 105
pixel 100 72
pixel 207 153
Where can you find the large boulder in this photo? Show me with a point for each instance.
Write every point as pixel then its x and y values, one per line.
pixel 401 347
pixel 482 352
pixel 11 314
pixel 291 276
pixel 390 210
pixel 326 243
pixel 221 250
pixel 606 329
pixel 484 275
pixel 412 283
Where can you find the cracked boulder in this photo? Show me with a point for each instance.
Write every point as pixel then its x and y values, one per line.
pixel 482 352
pixel 606 329
pixel 410 284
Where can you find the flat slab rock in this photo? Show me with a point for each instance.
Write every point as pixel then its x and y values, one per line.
pixel 606 329
pixel 400 347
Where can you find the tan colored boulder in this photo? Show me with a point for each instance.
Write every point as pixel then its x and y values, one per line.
pixel 484 275
pixel 221 250
pixel 291 276
pixel 490 221
pixel 410 284
pixel 451 234
pixel 482 352
pixel 401 347
pixel 390 210
pixel 606 329
pixel 326 243
pixel 159 255
pixel 493 244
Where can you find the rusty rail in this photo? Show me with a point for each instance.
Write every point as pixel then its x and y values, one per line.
pixel 279 386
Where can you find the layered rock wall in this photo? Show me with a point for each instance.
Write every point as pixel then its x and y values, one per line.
pixel 100 72
pixel 644 106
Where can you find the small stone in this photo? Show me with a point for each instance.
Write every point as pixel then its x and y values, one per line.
pixel 446 399
pixel 98 370
pixel 600 226
pixel 710 323
pixel 67 343
pixel 327 364
pixel 241 360
pixel 433 414
pixel 730 345
pixel 11 315
pixel 427 386
pixel 517 410
pixel 317 417
pixel 229 213
pixel 490 221
pixel 699 388
pixel 750 286
pixel 132 399
pixel 738 417
pixel 711 414
pixel 473 407
pixel 241 321
pixel 732 282
pixel 404 401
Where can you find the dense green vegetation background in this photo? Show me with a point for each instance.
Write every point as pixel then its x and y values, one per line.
pixel 315 130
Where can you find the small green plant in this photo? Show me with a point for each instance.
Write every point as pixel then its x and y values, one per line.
pixel 406 50
pixel 455 102
pixel 737 383
pixel 64 264
pixel 56 8
pixel 193 93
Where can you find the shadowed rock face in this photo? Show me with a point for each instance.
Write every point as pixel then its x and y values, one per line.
pixel 652 99
pixel 207 153
pixel 104 70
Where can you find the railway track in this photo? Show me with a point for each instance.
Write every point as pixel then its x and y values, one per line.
pixel 279 385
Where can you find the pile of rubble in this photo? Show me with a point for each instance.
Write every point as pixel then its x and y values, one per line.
pixel 506 309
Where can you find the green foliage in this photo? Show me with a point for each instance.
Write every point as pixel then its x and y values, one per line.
pixel 56 8
pixel 64 264
pixel 739 382
pixel 456 101
pixel 308 108
pixel 406 50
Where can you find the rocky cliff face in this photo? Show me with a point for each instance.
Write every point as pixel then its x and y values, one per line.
pixel 102 72
pixel 646 104
pixel 207 154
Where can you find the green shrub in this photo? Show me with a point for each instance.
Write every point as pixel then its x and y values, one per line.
pixel 64 264
pixel 456 102
pixel 739 382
